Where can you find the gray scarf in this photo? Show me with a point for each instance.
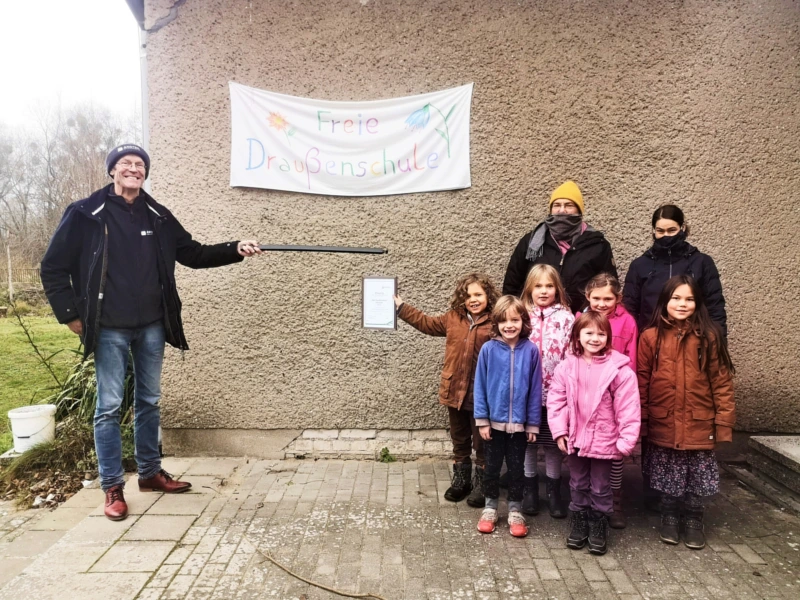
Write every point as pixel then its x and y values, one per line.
pixel 561 227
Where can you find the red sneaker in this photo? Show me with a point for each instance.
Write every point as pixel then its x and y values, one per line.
pixel 517 525
pixel 116 508
pixel 163 482
pixel 488 520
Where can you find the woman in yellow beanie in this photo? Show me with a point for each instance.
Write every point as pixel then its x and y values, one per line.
pixel 565 241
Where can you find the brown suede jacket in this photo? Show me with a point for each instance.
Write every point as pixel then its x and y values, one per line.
pixel 462 346
pixel 683 407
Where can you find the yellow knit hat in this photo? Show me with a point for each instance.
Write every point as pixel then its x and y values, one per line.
pixel 568 190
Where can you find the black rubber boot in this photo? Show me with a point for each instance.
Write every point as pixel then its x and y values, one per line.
pixel 555 504
pixel 460 486
pixel 694 536
pixel 477 499
pixel 580 530
pixel 617 519
pixel 670 523
pixel 530 497
pixel 598 532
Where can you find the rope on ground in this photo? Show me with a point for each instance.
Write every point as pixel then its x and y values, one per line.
pixel 315 584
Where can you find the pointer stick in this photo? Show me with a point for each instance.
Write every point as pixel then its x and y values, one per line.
pixel 352 250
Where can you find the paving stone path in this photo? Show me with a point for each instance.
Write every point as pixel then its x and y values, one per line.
pixel 364 526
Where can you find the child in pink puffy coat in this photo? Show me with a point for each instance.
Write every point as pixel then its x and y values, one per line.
pixel 604 295
pixel 594 412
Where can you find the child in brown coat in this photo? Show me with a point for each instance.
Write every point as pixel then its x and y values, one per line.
pixel 466 327
pixel 686 388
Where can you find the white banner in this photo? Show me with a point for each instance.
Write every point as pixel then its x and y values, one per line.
pixel 375 148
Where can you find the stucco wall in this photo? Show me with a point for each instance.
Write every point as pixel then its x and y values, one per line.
pixel 641 103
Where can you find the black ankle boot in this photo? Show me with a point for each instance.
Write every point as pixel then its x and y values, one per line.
pixel 580 529
pixel 694 537
pixel 555 504
pixel 477 499
pixel 598 532
pixel 461 486
pixel 530 496
pixel 670 522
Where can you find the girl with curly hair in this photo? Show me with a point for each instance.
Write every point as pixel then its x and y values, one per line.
pixel 466 327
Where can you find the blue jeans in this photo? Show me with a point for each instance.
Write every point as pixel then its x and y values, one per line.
pixel 111 362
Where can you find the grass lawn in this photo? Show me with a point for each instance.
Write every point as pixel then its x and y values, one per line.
pixel 23 378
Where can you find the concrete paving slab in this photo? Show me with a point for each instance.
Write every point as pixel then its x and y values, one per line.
pixel 87 586
pixel 337 528
pixel 176 466
pixel 67 558
pixel 180 504
pixel 99 530
pixel 204 484
pixel 159 527
pixel 61 519
pixel 218 467
pixel 86 498
pixel 11 567
pixel 31 543
pixel 125 557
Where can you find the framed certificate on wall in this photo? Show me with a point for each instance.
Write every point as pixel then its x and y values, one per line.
pixel 377 304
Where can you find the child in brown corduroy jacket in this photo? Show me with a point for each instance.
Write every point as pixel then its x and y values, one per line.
pixel 466 327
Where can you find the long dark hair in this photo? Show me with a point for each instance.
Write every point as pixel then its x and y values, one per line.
pixel 712 340
pixel 671 212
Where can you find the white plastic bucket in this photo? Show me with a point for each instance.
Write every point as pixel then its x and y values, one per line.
pixel 31 425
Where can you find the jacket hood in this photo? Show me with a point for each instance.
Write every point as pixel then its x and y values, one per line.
pixel 617 359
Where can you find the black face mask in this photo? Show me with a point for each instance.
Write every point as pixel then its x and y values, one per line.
pixel 669 241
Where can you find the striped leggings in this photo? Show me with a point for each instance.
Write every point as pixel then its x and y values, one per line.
pixel 616 474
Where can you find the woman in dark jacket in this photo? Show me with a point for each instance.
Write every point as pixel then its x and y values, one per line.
pixel 671 255
pixel 565 241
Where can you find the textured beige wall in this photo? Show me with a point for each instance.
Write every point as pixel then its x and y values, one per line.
pixel 642 103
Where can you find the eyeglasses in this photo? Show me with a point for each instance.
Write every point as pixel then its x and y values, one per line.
pixel 125 164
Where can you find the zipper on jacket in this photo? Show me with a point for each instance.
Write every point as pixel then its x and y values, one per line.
pixel 669 253
pixel 511 395
pixel 97 253
pixel 103 275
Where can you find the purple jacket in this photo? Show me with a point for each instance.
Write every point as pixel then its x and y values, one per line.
pixel 600 413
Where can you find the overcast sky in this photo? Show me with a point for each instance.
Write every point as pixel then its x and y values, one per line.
pixel 69 51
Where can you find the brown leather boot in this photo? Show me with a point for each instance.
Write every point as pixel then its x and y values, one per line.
pixel 116 508
pixel 617 520
pixel 163 482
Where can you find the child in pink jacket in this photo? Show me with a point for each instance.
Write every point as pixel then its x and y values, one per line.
pixel 604 295
pixel 594 413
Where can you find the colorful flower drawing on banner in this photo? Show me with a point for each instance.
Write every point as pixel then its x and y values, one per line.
pixel 419 119
pixel 277 121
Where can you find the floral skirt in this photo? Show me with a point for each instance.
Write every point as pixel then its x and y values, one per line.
pixel 678 472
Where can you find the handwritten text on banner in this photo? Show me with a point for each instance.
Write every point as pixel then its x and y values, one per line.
pixel 374 148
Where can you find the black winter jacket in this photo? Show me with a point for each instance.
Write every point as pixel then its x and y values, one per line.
pixel 648 274
pixel 73 268
pixel 590 255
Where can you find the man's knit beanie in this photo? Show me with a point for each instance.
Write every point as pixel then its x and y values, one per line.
pixel 125 149
pixel 568 190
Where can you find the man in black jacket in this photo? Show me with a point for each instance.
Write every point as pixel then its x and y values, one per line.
pixel 109 275
pixel 563 240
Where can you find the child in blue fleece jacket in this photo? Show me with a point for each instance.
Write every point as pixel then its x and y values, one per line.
pixel 508 408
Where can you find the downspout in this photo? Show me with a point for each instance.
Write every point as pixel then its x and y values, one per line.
pixel 145 103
